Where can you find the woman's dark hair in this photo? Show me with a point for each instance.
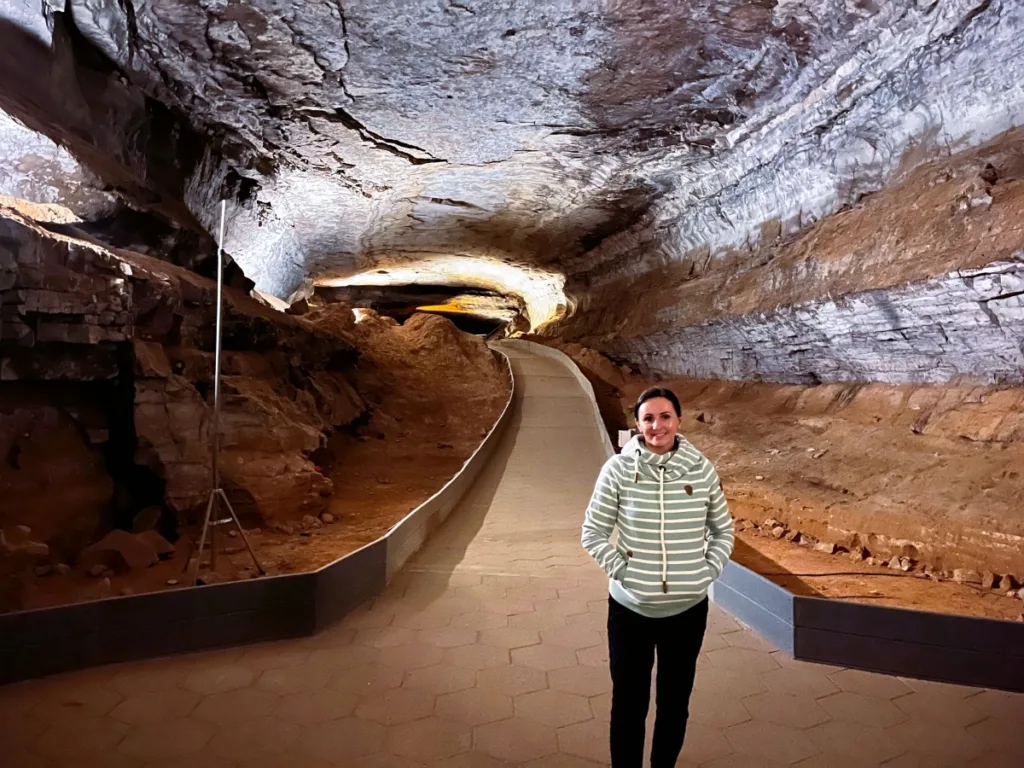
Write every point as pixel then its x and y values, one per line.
pixel 653 392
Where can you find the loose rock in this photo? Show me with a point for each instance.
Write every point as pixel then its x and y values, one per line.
pixel 43 570
pixel 1008 583
pixel 778 532
pixel 826 546
pixel 857 554
pixel 988 580
pixel 147 519
pixel 62 569
pixel 327 518
pixel 120 550
pixel 163 548
pixel 97 570
pixel 966 576
pixel 759 477
pixel 793 536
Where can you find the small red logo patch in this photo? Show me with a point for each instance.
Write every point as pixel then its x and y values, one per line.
pixel 689 490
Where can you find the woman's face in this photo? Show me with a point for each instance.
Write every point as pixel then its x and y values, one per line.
pixel 658 423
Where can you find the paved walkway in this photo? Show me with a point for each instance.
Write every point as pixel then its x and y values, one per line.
pixel 488 651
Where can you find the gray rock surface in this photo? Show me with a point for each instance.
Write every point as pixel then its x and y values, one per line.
pixel 542 149
pixel 967 326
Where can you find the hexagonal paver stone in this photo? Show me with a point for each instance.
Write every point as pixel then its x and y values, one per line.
pixel 953 711
pixel 80 699
pixel 728 682
pixel 999 736
pixel 511 680
pixel 236 706
pixel 742 761
pixel 316 707
pixel 147 677
pixel 440 678
pixel 298 679
pixel 718 711
pixel 218 679
pixel 477 656
pixel 479 620
pixel 275 656
pixel 508 637
pixel 742 659
pixel 429 740
pixel 584 681
pixel 169 738
pixel 474 706
pixel 870 684
pixel 410 656
pixel 340 740
pixel 785 709
pixel 365 679
pixel 1000 705
pixel 79 734
pixel 770 741
pixel 866 710
pixel 508 606
pixel 244 741
pixel 596 656
pixel 563 760
pixel 554 708
pixel 473 759
pixel 946 745
pixel 545 657
pixel 428 619
pixel 343 656
pixel 854 741
pixel 704 744
pixel 384 637
pixel 153 707
pixel 398 705
pixel 803 682
pixel 587 740
pixel 515 740
pixel 447 637
pixel 575 638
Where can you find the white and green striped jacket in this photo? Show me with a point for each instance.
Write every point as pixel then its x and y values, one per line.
pixel 675 532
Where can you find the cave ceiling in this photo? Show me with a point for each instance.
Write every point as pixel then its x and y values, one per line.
pixel 537 147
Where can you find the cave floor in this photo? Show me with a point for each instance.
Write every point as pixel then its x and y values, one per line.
pixel 488 650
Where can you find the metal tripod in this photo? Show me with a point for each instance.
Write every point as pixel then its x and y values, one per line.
pixel 216 492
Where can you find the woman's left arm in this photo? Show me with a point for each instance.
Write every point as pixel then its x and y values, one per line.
pixel 719 525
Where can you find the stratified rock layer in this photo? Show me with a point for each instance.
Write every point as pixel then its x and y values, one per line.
pixel 134 338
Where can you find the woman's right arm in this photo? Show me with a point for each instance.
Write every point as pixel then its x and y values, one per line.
pixel 602 515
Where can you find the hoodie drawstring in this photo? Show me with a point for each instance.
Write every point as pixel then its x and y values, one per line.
pixel 664 547
pixel 636 467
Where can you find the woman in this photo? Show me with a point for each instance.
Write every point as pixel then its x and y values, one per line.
pixel 675 537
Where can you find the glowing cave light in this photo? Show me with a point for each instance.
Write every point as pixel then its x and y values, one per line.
pixel 542 292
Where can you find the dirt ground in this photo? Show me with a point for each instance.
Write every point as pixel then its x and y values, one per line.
pixel 933 474
pixel 438 392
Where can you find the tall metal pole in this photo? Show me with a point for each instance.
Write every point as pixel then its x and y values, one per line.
pixel 216 354
pixel 216 492
pixel 215 463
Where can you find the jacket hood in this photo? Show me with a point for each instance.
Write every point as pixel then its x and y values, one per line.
pixel 676 463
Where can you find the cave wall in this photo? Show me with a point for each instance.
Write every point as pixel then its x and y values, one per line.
pixel 919 282
pixel 106 361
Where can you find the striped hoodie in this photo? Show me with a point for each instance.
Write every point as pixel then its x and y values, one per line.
pixel 675 532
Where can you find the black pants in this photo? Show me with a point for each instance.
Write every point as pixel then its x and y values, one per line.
pixel 632 641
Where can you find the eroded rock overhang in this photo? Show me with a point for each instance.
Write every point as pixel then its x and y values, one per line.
pixel 614 147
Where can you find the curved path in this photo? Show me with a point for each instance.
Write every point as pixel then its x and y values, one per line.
pixel 487 651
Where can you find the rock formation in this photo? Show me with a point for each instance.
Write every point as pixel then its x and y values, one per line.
pixel 558 151
pixel 782 191
pixel 106 369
